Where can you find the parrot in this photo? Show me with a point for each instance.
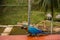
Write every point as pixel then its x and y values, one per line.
pixel 32 30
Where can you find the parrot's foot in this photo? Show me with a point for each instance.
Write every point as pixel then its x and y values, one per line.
pixel 32 35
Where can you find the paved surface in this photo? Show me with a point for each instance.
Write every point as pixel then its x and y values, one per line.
pixel 24 37
pixel 6 31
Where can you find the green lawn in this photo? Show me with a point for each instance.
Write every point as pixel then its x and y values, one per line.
pixel 17 31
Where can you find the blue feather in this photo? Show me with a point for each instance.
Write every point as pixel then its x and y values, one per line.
pixel 34 30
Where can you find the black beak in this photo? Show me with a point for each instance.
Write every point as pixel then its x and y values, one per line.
pixel 22 27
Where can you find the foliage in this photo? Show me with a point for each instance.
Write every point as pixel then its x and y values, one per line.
pixel 14 14
pixel 42 4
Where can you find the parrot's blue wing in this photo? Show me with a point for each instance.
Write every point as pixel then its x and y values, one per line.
pixel 34 30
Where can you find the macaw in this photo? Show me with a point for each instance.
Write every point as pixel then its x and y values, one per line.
pixel 33 30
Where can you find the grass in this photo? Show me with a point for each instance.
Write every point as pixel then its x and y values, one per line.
pixel 13 14
pixel 17 31
pixel 57 24
pixel 1 29
pixel 15 2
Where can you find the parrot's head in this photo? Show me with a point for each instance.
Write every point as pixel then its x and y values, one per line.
pixel 24 27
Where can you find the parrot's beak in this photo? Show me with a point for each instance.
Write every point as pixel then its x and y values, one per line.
pixel 24 28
